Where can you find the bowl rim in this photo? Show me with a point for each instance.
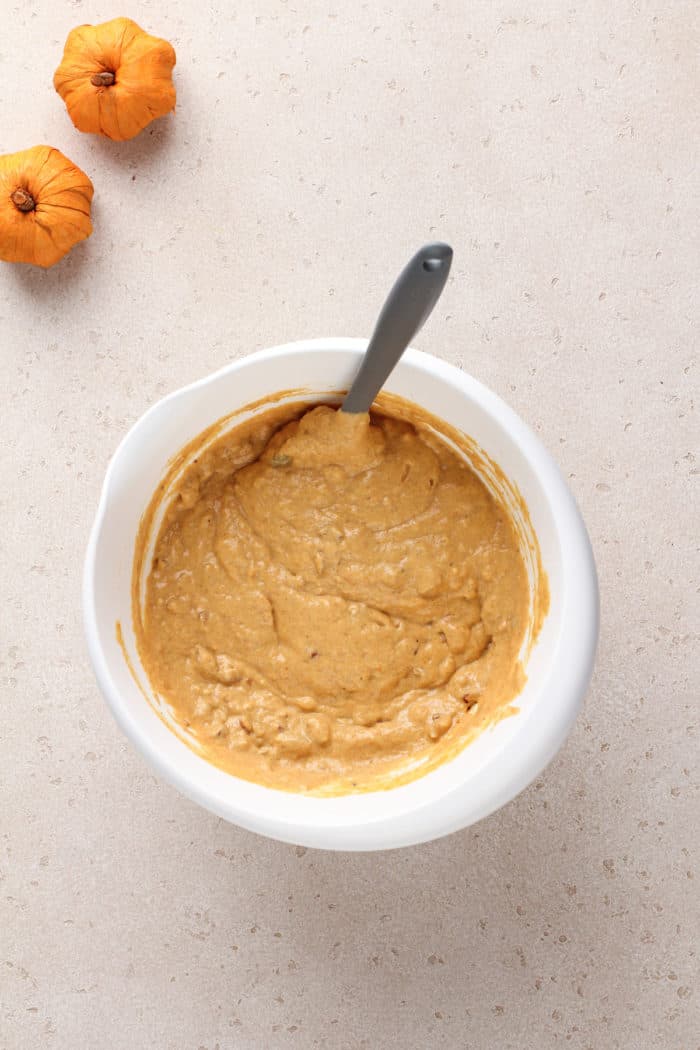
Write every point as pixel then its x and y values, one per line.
pixel 326 823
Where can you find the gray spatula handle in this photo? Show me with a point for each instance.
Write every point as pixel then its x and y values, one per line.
pixel 416 291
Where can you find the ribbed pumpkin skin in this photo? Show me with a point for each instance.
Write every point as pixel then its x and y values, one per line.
pixel 115 78
pixel 44 206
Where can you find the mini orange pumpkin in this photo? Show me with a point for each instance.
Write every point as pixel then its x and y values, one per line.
pixel 115 78
pixel 44 206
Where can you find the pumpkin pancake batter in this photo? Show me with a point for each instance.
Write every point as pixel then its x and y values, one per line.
pixel 334 604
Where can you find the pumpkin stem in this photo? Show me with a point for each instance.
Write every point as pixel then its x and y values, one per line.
pixel 23 200
pixel 102 79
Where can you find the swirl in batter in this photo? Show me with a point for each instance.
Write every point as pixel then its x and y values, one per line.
pixel 335 603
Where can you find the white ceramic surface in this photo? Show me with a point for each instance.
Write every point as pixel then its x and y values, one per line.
pixel 502 760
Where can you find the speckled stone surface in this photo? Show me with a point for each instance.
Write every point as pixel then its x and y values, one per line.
pixel 314 146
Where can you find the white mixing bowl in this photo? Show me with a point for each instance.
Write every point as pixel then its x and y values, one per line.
pixel 487 773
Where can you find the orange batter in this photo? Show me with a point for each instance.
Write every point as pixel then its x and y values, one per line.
pixel 335 602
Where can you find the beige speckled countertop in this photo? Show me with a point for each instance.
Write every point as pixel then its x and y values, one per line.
pixel 312 150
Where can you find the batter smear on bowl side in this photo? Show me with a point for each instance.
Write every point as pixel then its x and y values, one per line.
pixel 335 602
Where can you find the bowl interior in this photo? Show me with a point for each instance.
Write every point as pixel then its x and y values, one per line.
pixel 456 793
